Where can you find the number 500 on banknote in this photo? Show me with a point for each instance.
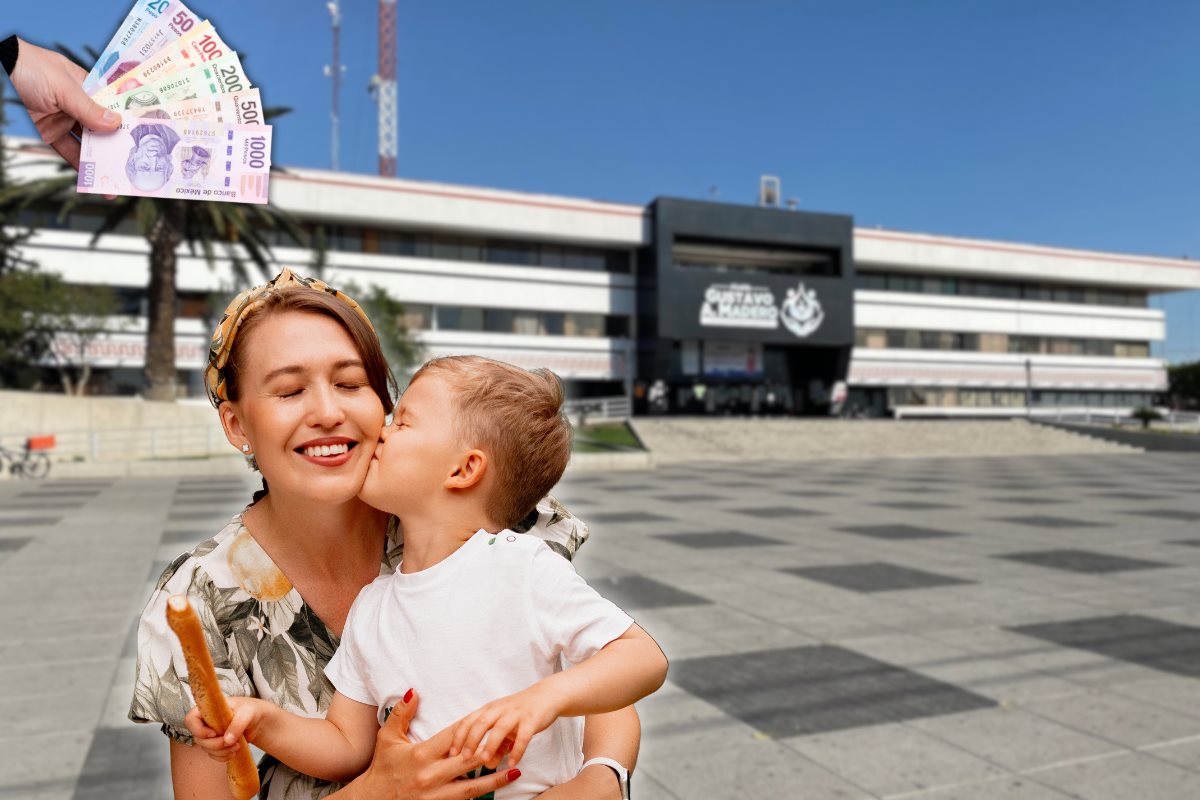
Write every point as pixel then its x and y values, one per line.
pixel 156 156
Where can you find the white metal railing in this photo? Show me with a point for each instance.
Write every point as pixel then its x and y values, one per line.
pixel 1082 415
pixel 1120 417
pixel 598 408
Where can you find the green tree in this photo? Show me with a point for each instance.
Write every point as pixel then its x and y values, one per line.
pixel 47 322
pixel 1184 385
pixel 241 232
pixel 26 327
pixel 80 315
pixel 401 348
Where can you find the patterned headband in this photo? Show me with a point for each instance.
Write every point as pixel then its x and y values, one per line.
pixel 242 307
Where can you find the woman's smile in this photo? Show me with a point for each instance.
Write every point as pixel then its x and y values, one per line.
pixel 327 451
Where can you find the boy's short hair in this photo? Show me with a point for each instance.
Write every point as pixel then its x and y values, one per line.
pixel 515 416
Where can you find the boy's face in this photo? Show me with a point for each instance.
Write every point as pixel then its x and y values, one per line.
pixel 417 452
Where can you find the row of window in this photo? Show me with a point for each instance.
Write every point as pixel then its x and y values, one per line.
pixel 893 339
pixel 421 317
pixel 505 320
pixel 358 239
pixel 355 239
pixel 755 259
pixel 955 397
pixel 1002 290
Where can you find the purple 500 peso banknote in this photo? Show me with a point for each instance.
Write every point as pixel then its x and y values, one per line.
pixel 155 156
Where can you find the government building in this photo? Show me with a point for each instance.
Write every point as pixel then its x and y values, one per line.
pixel 680 306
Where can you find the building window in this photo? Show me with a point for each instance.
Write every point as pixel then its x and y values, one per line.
pixel 498 320
pixel 897 339
pixel 418 317
pixel 457 318
pixel 996 289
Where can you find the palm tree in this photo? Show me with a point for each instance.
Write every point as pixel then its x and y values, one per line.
pixel 241 231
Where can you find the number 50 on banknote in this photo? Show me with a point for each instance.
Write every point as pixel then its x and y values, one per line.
pixel 155 156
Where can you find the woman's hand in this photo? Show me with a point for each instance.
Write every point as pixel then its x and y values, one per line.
pixel 507 724
pixel 401 770
pixel 51 87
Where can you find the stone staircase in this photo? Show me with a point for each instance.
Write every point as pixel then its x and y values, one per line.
pixel 680 439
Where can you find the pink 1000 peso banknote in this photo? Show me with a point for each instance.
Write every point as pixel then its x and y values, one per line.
pixel 155 156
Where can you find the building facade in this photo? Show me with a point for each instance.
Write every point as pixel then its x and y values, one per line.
pixel 682 306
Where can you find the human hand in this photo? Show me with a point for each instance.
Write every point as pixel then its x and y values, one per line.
pixel 248 712
pixel 51 87
pixel 508 724
pixel 423 771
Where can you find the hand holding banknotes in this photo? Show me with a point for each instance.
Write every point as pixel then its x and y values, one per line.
pixel 50 86
pixel 192 125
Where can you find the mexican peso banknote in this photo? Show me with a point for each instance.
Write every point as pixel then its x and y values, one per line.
pixel 156 156
pixel 201 45
pixel 149 26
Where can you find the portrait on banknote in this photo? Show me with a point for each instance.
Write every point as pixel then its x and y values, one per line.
pixel 193 164
pixel 149 166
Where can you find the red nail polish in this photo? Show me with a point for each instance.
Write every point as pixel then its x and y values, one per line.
pixel 408 695
pixel 513 774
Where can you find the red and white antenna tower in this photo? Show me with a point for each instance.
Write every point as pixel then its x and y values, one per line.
pixel 383 86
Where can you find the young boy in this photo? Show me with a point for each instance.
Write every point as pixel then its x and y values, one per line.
pixel 476 616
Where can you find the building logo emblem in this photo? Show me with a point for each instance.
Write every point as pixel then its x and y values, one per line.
pixel 801 311
pixel 739 305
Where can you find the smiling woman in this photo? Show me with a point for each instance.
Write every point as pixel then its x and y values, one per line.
pixel 299 380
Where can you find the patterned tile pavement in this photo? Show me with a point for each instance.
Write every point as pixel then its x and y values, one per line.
pixel 888 629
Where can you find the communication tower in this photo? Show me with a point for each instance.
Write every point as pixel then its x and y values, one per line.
pixel 383 87
pixel 335 72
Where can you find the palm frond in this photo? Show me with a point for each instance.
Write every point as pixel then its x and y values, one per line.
pixel 121 210
pixel 21 196
pixel 210 257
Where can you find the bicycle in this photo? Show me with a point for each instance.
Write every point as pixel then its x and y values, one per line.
pixel 31 462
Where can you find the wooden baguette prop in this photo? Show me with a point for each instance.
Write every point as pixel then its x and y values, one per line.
pixel 243 774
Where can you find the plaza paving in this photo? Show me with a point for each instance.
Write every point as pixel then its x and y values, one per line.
pixel 1023 627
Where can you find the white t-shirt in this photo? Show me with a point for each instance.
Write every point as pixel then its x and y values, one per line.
pixel 495 617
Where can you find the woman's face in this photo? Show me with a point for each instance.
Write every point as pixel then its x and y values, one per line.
pixel 305 406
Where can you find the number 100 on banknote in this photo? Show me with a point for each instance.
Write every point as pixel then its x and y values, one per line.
pixel 156 156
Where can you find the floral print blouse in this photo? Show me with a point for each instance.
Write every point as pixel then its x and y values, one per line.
pixel 265 642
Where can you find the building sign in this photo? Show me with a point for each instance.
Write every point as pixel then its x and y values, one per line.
pixel 801 311
pixel 739 305
pixel 742 305
pixel 733 359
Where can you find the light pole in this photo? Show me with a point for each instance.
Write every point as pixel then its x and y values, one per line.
pixel 335 72
pixel 1029 387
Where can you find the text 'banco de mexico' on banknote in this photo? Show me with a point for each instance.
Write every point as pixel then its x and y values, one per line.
pixel 193 124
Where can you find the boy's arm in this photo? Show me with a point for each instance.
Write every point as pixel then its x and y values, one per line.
pixel 621 673
pixel 336 748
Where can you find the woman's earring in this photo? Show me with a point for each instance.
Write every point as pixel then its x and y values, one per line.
pixel 245 448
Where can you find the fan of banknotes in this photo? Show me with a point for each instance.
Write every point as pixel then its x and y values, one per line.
pixel 192 125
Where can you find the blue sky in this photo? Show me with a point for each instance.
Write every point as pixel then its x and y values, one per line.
pixel 1070 123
